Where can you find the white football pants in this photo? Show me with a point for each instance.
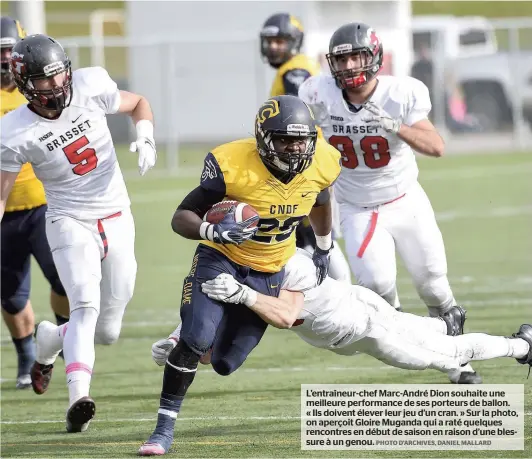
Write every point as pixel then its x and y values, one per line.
pixel 412 342
pixel 407 224
pixel 96 263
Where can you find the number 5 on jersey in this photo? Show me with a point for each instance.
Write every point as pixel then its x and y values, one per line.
pixel 375 148
pixel 85 160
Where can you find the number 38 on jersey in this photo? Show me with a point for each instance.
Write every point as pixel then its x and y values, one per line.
pixel 374 150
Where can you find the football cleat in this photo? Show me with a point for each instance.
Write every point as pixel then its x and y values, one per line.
pixel 80 414
pixel 23 381
pixel 525 333
pixel 41 376
pixel 151 449
pixel 455 319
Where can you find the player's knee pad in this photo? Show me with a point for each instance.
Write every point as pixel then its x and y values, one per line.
pixel 383 287
pixel 107 333
pixel 435 291
pixel 83 296
pixel 223 366
pixel 228 363
pixel 15 304
pixel 199 334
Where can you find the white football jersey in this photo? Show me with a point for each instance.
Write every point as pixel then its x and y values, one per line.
pixel 329 318
pixel 73 156
pixel 377 166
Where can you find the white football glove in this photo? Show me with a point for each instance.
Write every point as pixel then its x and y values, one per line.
pixel 380 118
pixel 144 146
pixel 225 288
pixel 162 348
pixel 147 153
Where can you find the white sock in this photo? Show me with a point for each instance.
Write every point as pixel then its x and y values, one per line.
pixel 78 383
pixel 479 346
pixel 79 351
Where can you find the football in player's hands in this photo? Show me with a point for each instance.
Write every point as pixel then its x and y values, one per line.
pixel 242 212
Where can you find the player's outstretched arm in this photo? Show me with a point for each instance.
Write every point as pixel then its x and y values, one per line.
pixel 138 108
pixel 321 220
pixel 321 215
pixel 280 312
pixel 7 179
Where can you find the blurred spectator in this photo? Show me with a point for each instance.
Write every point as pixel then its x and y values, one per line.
pixel 456 117
pixel 423 68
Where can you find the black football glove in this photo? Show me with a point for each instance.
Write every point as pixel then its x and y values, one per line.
pixel 228 231
pixel 322 260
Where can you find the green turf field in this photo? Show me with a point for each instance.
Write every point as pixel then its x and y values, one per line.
pixel 485 213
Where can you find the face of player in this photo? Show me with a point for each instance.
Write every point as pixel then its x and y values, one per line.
pixel 354 62
pixel 7 77
pixel 52 91
pixel 54 83
pixel 282 144
pixel 352 70
pixel 276 49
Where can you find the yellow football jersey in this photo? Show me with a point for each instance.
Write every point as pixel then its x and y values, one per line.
pixel 27 191
pixel 281 206
pixel 298 62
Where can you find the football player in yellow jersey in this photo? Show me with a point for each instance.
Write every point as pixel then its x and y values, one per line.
pixel 281 39
pixel 23 233
pixel 285 173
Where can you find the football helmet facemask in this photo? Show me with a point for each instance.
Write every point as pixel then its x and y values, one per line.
pixel 355 38
pixel 286 136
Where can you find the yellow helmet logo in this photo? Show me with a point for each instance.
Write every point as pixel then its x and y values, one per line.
pixel 310 111
pixel 295 22
pixel 269 109
pixel 20 30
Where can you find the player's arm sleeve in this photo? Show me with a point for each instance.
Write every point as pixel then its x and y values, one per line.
pixel 10 160
pixel 108 94
pixel 308 93
pixel 293 79
pixel 324 196
pixel 330 167
pixel 300 273
pixel 210 191
pixel 419 105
